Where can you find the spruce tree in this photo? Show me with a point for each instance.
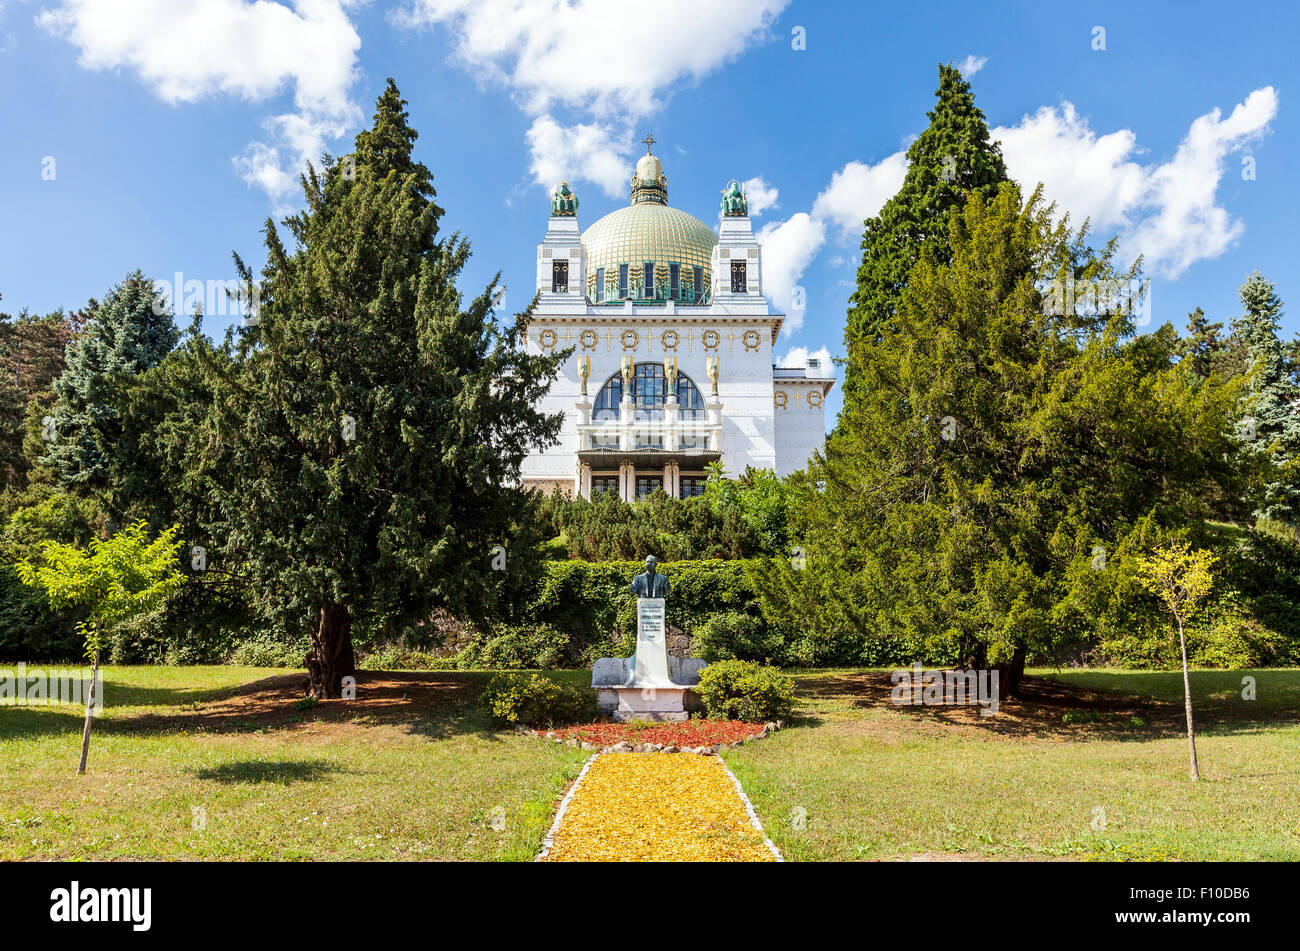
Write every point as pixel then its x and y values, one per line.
pixel 950 159
pixel 1274 398
pixel 367 433
pixel 125 335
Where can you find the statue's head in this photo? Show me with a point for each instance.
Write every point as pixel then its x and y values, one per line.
pixel 650 562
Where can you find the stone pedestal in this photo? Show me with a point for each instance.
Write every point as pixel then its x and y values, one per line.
pixel 650 684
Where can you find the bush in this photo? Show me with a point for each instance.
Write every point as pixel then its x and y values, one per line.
pixel 1226 642
pixel 534 700
pixel 265 650
pixel 732 635
pixel 402 658
pixel 519 647
pixel 740 690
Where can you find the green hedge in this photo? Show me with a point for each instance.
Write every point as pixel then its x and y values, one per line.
pixel 580 611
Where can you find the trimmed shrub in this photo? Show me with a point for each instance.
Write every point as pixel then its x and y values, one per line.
pixel 534 700
pixel 740 690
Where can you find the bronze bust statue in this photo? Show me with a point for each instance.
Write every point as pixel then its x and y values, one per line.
pixel 650 584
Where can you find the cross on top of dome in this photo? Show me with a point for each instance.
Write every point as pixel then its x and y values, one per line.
pixel 649 140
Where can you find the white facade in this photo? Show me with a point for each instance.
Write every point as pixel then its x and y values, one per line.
pixel 643 433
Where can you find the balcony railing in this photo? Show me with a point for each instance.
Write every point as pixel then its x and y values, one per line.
pixel 665 428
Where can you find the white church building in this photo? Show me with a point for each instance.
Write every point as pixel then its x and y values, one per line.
pixel 673 339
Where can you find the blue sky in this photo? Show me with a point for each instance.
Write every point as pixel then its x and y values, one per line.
pixel 173 129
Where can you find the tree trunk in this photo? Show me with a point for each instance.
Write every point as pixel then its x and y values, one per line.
pixel 90 706
pixel 1187 702
pixel 330 659
pixel 1010 675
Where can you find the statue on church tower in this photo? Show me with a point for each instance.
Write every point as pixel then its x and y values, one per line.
pixel 670 375
pixel 584 371
pixel 712 366
pixel 564 203
pixel 734 202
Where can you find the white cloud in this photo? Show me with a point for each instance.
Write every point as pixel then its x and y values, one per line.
pixel 591 54
pixel 971 65
pixel 857 192
pixel 798 357
pixel 788 248
pixel 1164 211
pixel 594 58
pixel 759 195
pixel 188 50
pixel 557 152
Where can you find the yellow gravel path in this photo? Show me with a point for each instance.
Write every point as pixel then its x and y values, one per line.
pixel 656 807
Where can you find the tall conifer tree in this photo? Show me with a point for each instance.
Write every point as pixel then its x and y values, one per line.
pixel 950 159
pixel 1274 398
pixel 369 431
pixel 1001 446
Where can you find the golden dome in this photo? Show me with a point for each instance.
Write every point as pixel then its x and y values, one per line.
pixel 648 231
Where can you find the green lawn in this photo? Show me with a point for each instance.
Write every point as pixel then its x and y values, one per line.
pixel 857 778
pixel 413 773
pixel 411 770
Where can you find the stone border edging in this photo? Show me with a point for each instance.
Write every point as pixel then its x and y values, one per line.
pixel 625 747
pixel 559 814
pixel 753 816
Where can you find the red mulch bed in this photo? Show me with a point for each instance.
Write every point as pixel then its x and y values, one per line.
pixel 676 733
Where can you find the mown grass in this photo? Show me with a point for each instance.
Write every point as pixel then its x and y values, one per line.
pixel 857 778
pixel 222 763
pixel 175 774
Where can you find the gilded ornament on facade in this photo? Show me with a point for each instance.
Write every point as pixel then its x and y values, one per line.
pixel 814 398
pixel 780 398
pixel 670 339
pixel 751 339
pixel 589 338
pixel 548 338
pixel 631 339
pixel 710 339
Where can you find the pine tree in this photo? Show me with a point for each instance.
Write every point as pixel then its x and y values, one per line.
pixel 125 335
pixel 1274 398
pixel 950 159
pixel 368 430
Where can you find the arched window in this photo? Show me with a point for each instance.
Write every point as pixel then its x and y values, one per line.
pixel 648 391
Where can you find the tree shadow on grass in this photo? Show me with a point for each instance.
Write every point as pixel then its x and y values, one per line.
pixel 432 704
pixel 1050 708
pixel 282 772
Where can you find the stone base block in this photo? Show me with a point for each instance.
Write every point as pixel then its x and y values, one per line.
pixel 646 703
